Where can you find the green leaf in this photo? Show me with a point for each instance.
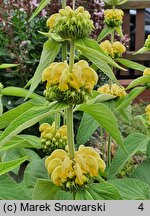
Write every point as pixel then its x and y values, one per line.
pixel 96 55
pixel 40 7
pixel 142 50
pixel 1 106
pixel 10 190
pixel 83 195
pixel 63 195
pixel 133 143
pixel 84 131
pixel 106 31
pixel 142 172
pixel 29 118
pixel 12 114
pixel 20 92
pixel 35 170
pixel 3 66
pixel 104 116
pixel 148 150
pixel 119 31
pixel 49 53
pixel 132 189
pixel 8 166
pixel 22 141
pixel 103 98
pixel 53 36
pixel 44 190
pixel 143 80
pixel 131 64
pixel 103 191
pixel 130 97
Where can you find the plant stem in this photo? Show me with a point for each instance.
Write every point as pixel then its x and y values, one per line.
pixel 73 4
pixel 72 53
pixel 63 4
pixel 102 142
pixel 109 151
pixel 70 131
pixel 57 120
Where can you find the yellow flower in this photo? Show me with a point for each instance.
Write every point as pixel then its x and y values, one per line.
pixel 106 47
pixel 55 177
pixel 63 130
pixel 118 48
pixel 146 72
pixel 113 17
pixel 52 164
pixel 66 167
pixel 51 20
pixel 90 77
pixel 114 89
pixel 71 173
pixel 79 175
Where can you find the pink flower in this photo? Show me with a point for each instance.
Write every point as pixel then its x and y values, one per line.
pixel 34 3
pixel 44 13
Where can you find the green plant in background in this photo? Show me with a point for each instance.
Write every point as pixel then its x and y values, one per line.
pixel 71 171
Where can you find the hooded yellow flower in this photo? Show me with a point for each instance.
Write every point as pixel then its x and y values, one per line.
pixel 114 50
pixel 71 173
pixel 74 86
pixel 146 72
pixel 114 89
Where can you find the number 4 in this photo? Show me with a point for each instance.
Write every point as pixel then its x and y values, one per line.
pixel 141 207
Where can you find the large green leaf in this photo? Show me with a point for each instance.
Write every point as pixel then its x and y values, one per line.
pixel 3 66
pixel 106 31
pixel 49 53
pixel 131 64
pixel 83 195
pixel 130 97
pixel 8 166
pixel 12 114
pixel 143 80
pixel 132 189
pixel 94 53
pixel 40 7
pixel 103 191
pixel 142 172
pixel 22 141
pixel 35 170
pixel 87 127
pixel 20 92
pixel 46 190
pixel 133 143
pixel 29 118
pixel 104 116
pixel 10 190
pixel 1 105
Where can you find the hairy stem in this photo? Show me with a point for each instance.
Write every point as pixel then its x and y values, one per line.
pixel 63 4
pixel 109 151
pixel 72 53
pixel 70 132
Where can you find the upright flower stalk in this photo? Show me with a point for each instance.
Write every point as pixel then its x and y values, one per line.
pixel 69 111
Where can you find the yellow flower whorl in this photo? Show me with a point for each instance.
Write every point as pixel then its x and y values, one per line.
pixel 114 89
pixel 70 24
pixel 71 174
pixel 114 50
pixel 72 87
pixel 113 17
pixel 52 138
